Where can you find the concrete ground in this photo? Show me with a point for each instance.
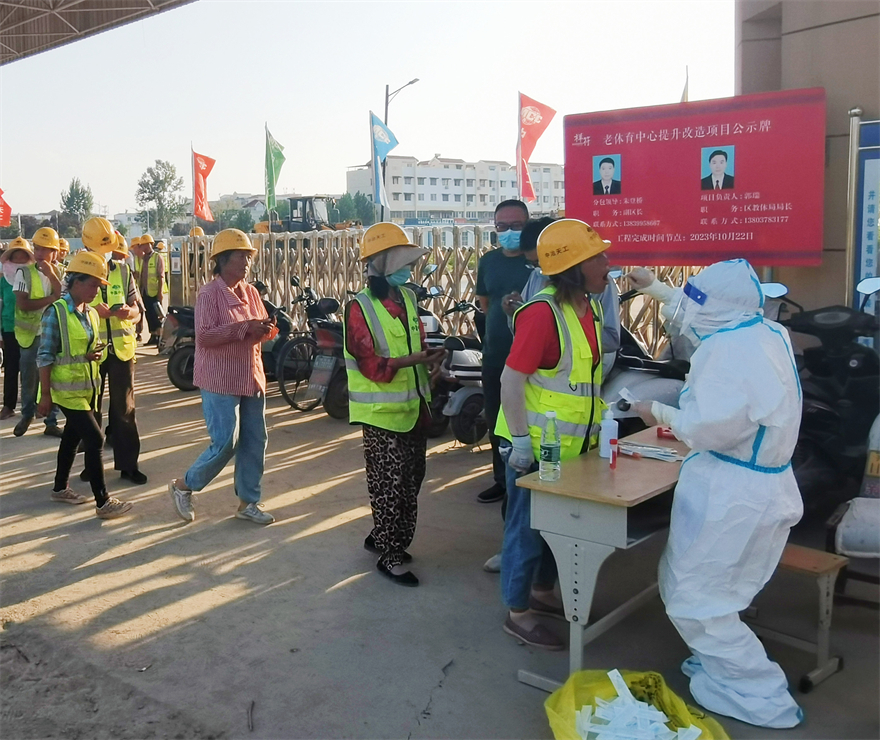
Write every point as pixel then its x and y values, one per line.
pixel 149 627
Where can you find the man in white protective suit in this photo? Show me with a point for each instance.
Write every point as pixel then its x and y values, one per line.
pixel 736 498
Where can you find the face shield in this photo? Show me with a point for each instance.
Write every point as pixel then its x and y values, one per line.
pixel 681 313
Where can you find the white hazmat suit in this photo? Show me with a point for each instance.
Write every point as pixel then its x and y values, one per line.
pixel 736 499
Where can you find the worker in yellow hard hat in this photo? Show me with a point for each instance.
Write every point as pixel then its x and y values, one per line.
pixel 63 255
pixel 36 285
pixel 70 351
pixel 152 285
pixel 17 254
pixel 389 377
pixel 117 305
pixel 231 324
pixel 554 369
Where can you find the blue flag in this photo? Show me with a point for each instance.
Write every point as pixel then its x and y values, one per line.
pixel 383 142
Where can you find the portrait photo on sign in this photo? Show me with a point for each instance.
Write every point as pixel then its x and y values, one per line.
pixel 716 167
pixel 606 174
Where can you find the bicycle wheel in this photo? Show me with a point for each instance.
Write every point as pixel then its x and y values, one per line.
pixel 294 368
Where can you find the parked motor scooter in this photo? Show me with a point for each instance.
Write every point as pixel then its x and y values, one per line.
pixel 300 385
pixel 462 381
pixel 840 380
pixel 178 340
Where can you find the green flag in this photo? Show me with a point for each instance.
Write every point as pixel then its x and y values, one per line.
pixel 274 160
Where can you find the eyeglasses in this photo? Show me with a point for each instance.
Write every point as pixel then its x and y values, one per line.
pixel 515 226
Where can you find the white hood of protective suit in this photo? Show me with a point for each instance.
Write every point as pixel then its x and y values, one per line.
pixel 733 297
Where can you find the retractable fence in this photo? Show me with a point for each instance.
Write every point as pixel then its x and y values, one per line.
pixel 327 261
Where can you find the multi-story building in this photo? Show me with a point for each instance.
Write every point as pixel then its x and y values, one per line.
pixel 452 190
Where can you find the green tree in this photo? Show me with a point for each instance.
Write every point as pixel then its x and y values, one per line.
pixel 28 226
pixel 346 209
pixel 147 219
pixel 121 228
pixel 11 231
pixel 242 220
pixel 366 211
pixel 160 186
pixel 77 201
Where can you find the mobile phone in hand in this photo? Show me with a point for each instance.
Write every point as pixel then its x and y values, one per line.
pixel 116 306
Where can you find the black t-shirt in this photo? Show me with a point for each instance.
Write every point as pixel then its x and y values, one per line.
pixel 498 275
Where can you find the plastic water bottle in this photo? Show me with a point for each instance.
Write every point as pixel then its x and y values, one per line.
pixel 551 446
pixel 607 432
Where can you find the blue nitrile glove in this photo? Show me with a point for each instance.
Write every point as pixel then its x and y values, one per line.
pixel 522 457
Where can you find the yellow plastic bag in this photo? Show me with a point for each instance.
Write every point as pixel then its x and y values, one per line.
pixel 583 687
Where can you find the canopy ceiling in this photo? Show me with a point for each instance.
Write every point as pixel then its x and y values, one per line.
pixel 28 27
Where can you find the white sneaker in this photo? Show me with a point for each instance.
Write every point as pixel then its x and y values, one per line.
pixel 493 564
pixel 112 509
pixel 182 502
pixel 69 496
pixel 252 513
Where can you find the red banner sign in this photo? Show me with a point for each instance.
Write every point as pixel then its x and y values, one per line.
pixel 694 183
pixel 202 167
pixel 5 212
pixel 534 118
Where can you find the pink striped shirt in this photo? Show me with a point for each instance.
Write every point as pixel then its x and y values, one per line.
pixel 226 361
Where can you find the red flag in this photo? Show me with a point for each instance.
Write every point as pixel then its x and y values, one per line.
pixel 202 167
pixel 534 117
pixel 5 212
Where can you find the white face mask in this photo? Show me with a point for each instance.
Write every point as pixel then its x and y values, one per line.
pixel 9 270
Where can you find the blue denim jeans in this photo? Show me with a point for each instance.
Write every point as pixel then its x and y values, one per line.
pixel 525 556
pixel 237 425
pixel 30 382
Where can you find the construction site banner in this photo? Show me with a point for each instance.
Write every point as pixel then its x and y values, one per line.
pixel 694 183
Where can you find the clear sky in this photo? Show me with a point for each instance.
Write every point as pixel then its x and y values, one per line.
pixel 213 72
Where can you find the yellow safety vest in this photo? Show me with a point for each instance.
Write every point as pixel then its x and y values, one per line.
pixel 75 380
pixel 152 267
pixel 27 323
pixel 571 389
pixel 394 405
pixel 122 332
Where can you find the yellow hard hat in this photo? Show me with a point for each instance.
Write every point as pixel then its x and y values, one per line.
pixel 146 239
pixel 63 245
pixel 88 263
pixel 196 231
pixel 135 241
pixel 19 243
pixel 382 236
pixel 159 246
pixel 46 237
pixel 229 240
pixel 98 235
pixel 121 245
pixel 566 243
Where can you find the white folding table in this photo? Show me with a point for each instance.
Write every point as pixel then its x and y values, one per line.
pixel 586 515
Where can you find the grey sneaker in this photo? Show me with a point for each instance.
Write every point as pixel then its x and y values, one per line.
pixel 252 513
pixel 69 496
pixel 182 502
pixel 112 508
pixel 493 564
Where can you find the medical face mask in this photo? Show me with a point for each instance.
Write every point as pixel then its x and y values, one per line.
pixel 399 277
pixel 509 240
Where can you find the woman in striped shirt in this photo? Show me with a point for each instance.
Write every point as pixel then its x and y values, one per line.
pixel 231 324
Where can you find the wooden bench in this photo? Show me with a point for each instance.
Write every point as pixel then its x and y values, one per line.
pixel 824 567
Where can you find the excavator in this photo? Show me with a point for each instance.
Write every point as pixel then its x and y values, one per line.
pixel 307 213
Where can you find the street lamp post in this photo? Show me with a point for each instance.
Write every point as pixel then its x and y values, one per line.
pixel 388 98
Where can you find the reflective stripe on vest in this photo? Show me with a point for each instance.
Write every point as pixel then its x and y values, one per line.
pixel 27 323
pixel 75 380
pixel 393 405
pixel 122 332
pixel 571 389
